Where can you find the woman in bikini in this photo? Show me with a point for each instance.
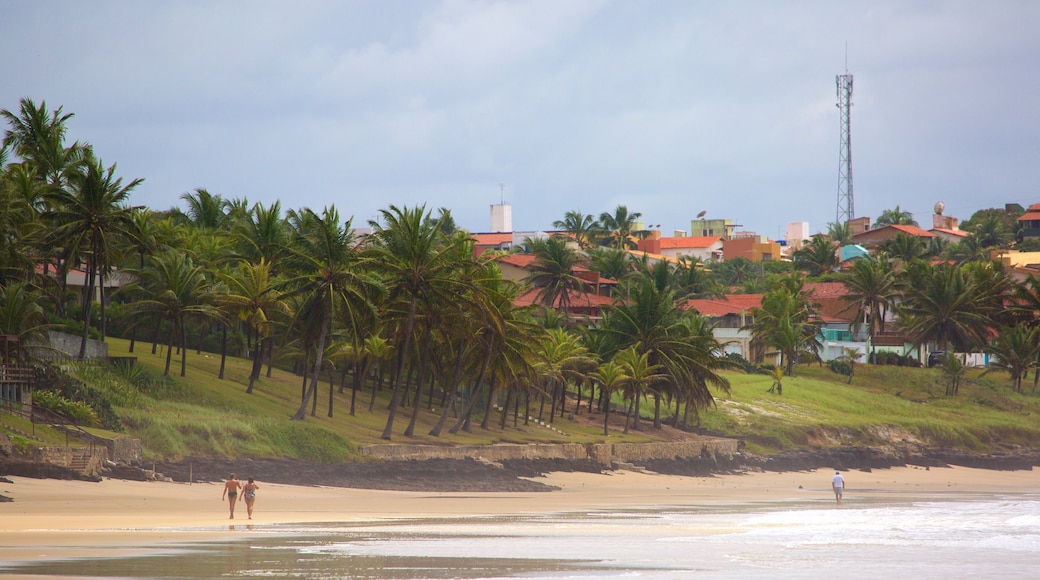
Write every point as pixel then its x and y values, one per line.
pixel 249 494
pixel 231 487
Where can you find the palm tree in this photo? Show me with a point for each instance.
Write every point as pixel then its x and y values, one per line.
pixel 840 233
pixel 954 371
pixel 819 256
pixel 850 356
pixel 787 323
pixel 943 305
pixel 778 381
pixel 1017 351
pixel 582 227
pixel 89 216
pixel 620 228
pixel 173 289
pixel 21 314
pixel 895 217
pixel 38 137
pixel 642 376
pixel 262 234
pixel 417 263
pixel 327 277
pixel 206 210
pixel 611 376
pixel 872 289
pixel 552 272
pixel 611 263
pixel 906 248
pixel 680 341
pixel 252 295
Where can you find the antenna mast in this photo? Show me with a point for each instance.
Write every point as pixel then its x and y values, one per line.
pixel 845 205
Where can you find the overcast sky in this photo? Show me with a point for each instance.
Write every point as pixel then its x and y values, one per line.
pixel 668 107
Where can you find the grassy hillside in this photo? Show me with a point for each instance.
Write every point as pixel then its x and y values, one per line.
pixel 203 416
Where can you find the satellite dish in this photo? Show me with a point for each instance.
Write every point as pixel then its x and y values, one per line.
pixel 939 207
pixel 702 214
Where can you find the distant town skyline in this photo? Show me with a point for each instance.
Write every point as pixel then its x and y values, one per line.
pixel 670 108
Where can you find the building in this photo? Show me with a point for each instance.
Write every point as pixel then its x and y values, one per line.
pixel 723 228
pixel 1030 222
pixel 873 238
pixel 703 248
pixel 754 248
pixel 729 314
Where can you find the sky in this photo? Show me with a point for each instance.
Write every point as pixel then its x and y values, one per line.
pixel 669 108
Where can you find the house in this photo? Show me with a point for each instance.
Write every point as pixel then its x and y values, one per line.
pixel 703 248
pixel 837 316
pixel 16 376
pixel 730 314
pixel 753 247
pixel 949 235
pixel 873 238
pixel 1030 222
pixel 580 304
pixel 491 241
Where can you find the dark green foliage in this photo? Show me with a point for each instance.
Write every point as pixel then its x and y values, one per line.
pixel 839 366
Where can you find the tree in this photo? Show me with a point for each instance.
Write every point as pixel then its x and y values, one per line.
pixel 416 263
pixel 943 305
pixel 954 371
pixel 895 217
pixel 552 272
pixel 1016 350
pixel 611 263
pixel 21 314
pixel 173 289
pixel 252 296
pixel 327 278
pixel 619 228
pixel 38 137
pixel 262 235
pixel 206 210
pixel 840 233
pixel 819 256
pixel 680 341
pixel 850 356
pixel 582 227
pixel 778 381
pixel 611 377
pixel 906 248
pixel 787 323
pixel 872 289
pixel 642 376
pixel 89 216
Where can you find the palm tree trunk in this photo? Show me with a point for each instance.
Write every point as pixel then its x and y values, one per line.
pixel 424 363
pixel 453 390
pixel 395 398
pixel 301 413
pixel 223 350
pixel 87 307
pixel 254 373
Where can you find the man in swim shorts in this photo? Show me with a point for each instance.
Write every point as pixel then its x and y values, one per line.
pixel 838 483
pixel 231 487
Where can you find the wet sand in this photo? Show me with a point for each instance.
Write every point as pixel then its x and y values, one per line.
pixel 69 519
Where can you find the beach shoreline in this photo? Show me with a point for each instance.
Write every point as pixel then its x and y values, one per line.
pixel 51 519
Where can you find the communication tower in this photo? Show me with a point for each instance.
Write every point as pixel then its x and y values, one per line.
pixel 845 206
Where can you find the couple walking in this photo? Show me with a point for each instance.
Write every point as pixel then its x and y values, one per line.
pixel 231 488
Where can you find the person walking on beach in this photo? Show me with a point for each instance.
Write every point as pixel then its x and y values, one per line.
pixel 231 487
pixel 838 483
pixel 249 495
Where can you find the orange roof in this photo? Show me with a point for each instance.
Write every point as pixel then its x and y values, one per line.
pixel 910 230
pixel 728 304
pixel 1030 216
pixel 820 290
pixel 518 260
pixel 689 242
pixel 578 299
pixel 959 233
pixel 492 239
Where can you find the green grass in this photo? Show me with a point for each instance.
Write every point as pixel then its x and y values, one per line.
pixel 201 415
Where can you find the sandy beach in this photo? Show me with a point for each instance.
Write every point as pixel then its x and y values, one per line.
pixel 53 518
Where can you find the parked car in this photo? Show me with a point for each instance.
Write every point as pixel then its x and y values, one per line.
pixel 937 357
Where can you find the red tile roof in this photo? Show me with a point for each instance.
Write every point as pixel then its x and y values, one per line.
pixel 1030 216
pixel 518 260
pixel 729 304
pixel 959 233
pixel 492 239
pixel 577 299
pixel 823 290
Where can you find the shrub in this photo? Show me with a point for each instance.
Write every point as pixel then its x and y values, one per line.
pixel 839 366
pixel 78 412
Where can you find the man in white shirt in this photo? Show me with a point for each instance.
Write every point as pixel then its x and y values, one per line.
pixel 838 483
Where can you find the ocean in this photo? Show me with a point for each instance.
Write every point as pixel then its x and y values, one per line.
pixel 985 536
